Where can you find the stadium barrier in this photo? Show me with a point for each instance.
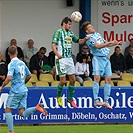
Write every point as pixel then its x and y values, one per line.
pixel 121 100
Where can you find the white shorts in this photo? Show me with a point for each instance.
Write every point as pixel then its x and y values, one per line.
pixel 64 66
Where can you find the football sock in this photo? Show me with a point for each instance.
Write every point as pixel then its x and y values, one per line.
pixel 9 121
pixel 29 111
pixel 71 91
pixel 107 90
pixel 95 90
pixel 60 87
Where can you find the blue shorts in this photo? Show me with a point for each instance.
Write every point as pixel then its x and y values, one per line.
pixel 18 100
pixel 101 66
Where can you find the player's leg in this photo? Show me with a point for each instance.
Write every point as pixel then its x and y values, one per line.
pixel 61 71
pixel 96 90
pixel 97 71
pixel 24 111
pixel 60 88
pixel 71 89
pixel 9 119
pixel 70 70
pixel 107 86
pixel 11 103
pixel 107 90
pixel 28 111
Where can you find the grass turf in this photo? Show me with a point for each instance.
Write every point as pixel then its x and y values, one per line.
pixel 119 128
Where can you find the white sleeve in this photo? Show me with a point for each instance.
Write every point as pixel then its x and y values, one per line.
pixel 77 68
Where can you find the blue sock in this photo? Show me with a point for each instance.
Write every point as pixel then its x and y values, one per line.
pixel 95 90
pixel 9 121
pixel 107 90
pixel 29 111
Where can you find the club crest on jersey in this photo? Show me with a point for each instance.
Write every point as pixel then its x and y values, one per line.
pixel 92 42
pixel 68 39
pixel 9 73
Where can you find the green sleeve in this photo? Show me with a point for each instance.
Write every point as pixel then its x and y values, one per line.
pixel 55 37
pixel 75 38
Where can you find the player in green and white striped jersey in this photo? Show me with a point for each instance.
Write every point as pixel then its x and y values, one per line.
pixel 62 47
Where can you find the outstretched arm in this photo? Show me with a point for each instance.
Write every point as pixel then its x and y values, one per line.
pixel 82 41
pixel 108 44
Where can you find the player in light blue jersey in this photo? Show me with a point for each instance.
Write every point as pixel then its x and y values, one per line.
pixel 101 64
pixel 18 74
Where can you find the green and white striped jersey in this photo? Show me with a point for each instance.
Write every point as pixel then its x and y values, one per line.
pixel 64 40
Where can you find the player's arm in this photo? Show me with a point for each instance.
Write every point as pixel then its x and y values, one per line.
pixel 53 46
pixel 7 80
pixel 82 41
pixel 27 78
pixel 108 44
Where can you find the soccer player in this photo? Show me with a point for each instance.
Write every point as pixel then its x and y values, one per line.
pixel 18 74
pixel 101 64
pixel 62 47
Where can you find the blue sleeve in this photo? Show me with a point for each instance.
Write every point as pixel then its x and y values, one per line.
pixel 91 42
pixel 27 71
pixel 10 70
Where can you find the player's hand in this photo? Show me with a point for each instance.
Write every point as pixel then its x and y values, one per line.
pixel 1 88
pixel 87 37
pixel 120 43
pixel 115 42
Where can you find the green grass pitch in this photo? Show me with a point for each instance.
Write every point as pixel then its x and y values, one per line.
pixel 118 128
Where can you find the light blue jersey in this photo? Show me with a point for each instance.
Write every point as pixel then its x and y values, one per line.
pixel 96 38
pixel 18 70
pixel 101 64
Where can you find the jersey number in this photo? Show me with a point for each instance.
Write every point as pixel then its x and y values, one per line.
pixel 21 68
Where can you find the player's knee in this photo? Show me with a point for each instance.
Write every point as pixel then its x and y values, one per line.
pixel 72 81
pixel 20 112
pixel 97 79
pixel 107 80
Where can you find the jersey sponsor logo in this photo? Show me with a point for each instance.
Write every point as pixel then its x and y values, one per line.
pixel 99 40
pixel 68 39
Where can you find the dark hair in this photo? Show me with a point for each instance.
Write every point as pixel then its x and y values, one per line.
pixel 66 20
pixel 12 50
pixel 131 39
pixel 83 56
pixel 84 25
pixel 85 45
pixel 43 48
pixel 117 47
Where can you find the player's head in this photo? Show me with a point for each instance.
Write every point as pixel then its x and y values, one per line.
pixel 66 23
pixel 87 27
pixel 12 51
